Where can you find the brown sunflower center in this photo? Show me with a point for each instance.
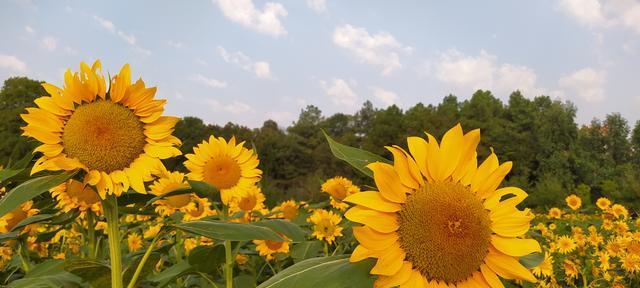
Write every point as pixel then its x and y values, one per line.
pixel 338 191
pixel 273 245
pixel 82 192
pixel 325 227
pixel 445 231
pixel 104 136
pixel 223 172
pixel 247 203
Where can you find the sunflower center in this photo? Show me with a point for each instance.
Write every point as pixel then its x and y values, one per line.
pixel 445 231
pixel 178 201
pixel 104 136
pixel 338 191
pixel 273 245
pixel 82 192
pixel 247 203
pixel 325 227
pixel 222 172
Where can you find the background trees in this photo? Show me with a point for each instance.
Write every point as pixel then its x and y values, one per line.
pixel 553 156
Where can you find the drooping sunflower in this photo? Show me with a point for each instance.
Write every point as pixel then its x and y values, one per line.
pixel 228 166
pixel 325 225
pixel 75 194
pixel 268 248
pixel 198 209
pixel 438 218
pixel 339 188
pixel 11 219
pixel 118 136
pixel 286 210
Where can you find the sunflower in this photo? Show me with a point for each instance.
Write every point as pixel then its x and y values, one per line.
pixel 171 181
pixel 286 210
pixel 249 201
pixel 619 211
pixel 11 219
pixel 339 188
pixel 565 244
pixel 325 225
pixel 603 203
pixel 631 263
pixel 573 201
pixel 438 218
pixel 75 194
pixel 228 166
pixel 198 209
pixel 546 267
pixel 267 248
pixel 570 269
pixel 555 213
pixel 603 259
pixel 117 136
pixel 134 242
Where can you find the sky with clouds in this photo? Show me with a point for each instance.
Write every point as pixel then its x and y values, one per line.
pixel 246 61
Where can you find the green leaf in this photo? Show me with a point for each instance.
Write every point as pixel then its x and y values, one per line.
pixel 49 273
pixel 306 250
pixel 289 229
pixel 65 218
pixel 325 272
pixel 147 268
pixel 170 193
pixel 244 281
pixel 357 158
pixel 168 275
pixel 532 260
pixel 33 219
pixel 96 273
pixel 30 189
pixel 206 259
pixel 9 236
pixel 203 189
pixel 229 230
pixel 16 169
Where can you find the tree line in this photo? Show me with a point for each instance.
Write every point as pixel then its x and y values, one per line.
pixel 553 156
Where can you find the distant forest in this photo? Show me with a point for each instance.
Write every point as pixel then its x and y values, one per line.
pixel 553 156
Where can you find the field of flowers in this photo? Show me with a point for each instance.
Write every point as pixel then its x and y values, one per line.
pixel 94 206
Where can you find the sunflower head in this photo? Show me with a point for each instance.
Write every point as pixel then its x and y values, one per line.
pixel 268 248
pixel 619 211
pixel 134 242
pixel 117 135
pixel 573 201
pixel 555 213
pixel 11 219
pixel 248 201
pixel 287 210
pixel 228 166
pixel 171 181
pixel 435 195
pixel 325 225
pixel 75 194
pixel 603 203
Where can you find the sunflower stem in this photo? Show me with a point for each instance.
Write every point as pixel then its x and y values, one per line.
pixel 144 259
pixel 25 263
pixel 228 269
pixel 91 231
pixel 110 206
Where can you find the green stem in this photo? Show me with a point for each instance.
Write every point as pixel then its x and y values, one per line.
pixel 25 263
pixel 146 255
pixel 228 268
pixel 110 206
pixel 92 234
pixel 326 249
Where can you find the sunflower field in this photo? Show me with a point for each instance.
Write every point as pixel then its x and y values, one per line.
pixel 95 206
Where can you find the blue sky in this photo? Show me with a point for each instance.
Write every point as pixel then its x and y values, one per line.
pixel 245 61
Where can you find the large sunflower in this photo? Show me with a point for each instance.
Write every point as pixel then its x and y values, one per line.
pixel 117 136
pixel 228 166
pixel 438 219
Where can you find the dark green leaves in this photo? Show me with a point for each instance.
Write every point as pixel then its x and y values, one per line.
pixel 357 158
pixel 306 250
pixel 229 230
pixel 292 231
pixel 532 260
pixel 326 272
pixel 49 273
pixel 30 189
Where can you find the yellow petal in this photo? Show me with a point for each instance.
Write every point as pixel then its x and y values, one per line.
pixel 415 280
pixel 508 267
pixel 162 152
pixel 514 246
pixel 493 181
pixel 402 165
pixel 361 253
pixel 388 182
pixel 491 277
pixel 486 168
pixel 389 262
pixel 374 240
pixel 471 140
pixel 418 149
pixel 396 279
pixel 373 200
pixel 493 200
pixel 379 221
pixel 452 147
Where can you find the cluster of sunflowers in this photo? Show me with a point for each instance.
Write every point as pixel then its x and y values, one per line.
pixel 98 208
pixel 588 247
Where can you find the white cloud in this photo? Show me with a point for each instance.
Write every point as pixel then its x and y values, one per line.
pixel 588 12
pixel 340 92
pixel 29 29
pixel 126 37
pixel 12 62
pixel 49 43
pixel 175 44
pixel 586 83
pixel 631 18
pixel 266 21
pixel 260 69
pixel 484 72
pixel 385 96
pixel 317 5
pixel 381 50
pixel 603 14
pixel 211 82
pixel 235 107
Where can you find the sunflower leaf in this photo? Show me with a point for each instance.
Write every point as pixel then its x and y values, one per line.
pixel 532 260
pixel 357 158
pixel 30 189
pixel 229 230
pixel 292 231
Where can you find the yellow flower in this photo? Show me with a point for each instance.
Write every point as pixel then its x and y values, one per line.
pixel 325 225
pixel 552 226
pixel 574 202
pixel 619 211
pixel 438 218
pixel 189 244
pixel 74 194
pixel 60 255
pixel 242 259
pixel 152 231
pixel 11 219
pixel 603 203
pixel 117 135
pixel 228 166
pixel 570 269
pixel 134 242
pixel 267 248
pixel 565 244
pixel 286 210
pixel 545 268
pixel 555 213
pixel 631 263
pixel 614 247
pixel 603 259
pixel 607 224
pixel 248 201
pixel 621 227
pixel 171 181
pixel 198 209
pixel 339 188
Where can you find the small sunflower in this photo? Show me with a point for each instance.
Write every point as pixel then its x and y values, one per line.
pixel 171 181
pixel 228 166
pixel 603 203
pixel 118 136
pixel 249 201
pixel 267 248
pixel 545 268
pixel 286 210
pixel 198 209
pixel 573 201
pixel 134 242
pixel 555 213
pixel 438 218
pixel 11 219
pixel 75 194
pixel 565 244
pixel 325 225
pixel 339 188
pixel 631 263
pixel 619 211
pixel 570 269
